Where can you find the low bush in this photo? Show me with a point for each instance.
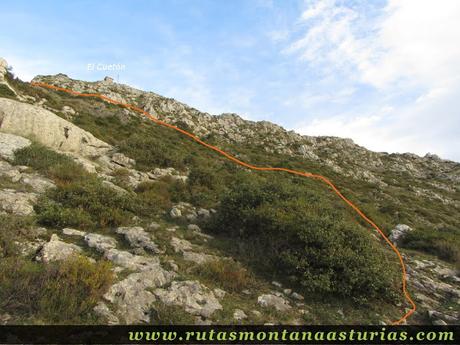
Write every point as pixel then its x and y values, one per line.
pixel 85 204
pixel 153 197
pixel 64 292
pixel 163 314
pixel 6 92
pixel 54 165
pixel 228 274
pixel 12 229
pixel 443 243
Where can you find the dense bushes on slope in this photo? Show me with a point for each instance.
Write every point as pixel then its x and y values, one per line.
pixel 299 235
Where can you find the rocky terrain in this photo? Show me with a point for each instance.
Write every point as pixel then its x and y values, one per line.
pixel 159 261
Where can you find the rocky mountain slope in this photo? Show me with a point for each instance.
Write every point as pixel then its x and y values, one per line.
pixel 143 209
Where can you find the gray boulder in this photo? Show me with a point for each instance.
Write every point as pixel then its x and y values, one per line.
pixel 18 203
pixel 138 238
pixel 56 250
pixel 100 242
pixel 272 301
pixel 131 297
pixel 398 233
pixel 130 261
pixel 194 297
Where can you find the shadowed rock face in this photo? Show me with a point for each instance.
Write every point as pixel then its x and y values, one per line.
pixel 48 129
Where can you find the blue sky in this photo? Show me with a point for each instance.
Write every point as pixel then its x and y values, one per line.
pixel 384 73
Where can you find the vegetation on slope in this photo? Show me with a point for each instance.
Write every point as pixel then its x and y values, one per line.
pixel 59 292
pixel 282 223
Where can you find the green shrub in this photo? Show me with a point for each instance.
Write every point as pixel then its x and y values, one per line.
pixel 53 214
pixel 444 243
pixel 6 92
pixel 150 152
pixel 121 177
pixel 305 239
pixel 57 166
pixel 163 314
pixel 153 197
pixel 228 274
pixel 12 229
pixel 84 204
pixel 64 292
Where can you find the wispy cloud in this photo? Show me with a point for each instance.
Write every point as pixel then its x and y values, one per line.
pixel 407 51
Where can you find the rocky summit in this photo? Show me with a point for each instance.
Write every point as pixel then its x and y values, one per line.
pixel 109 218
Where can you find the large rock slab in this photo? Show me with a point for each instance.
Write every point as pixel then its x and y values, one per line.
pixel 48 129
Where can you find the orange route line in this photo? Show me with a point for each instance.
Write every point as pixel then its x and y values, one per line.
pixel 258 168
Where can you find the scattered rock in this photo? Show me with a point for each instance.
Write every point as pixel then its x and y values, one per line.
pixel 194 227
pixel 68 110
pixel 198 258
pixel 18 203
pixel 239 315
pixel 56 250
pixel 73 232
pixel 181 245
pixel 173 265
pixel 138 238
pixel 28 248
pixel 175 212
pixel 287 291
pixel 116 188
pixel 277 284
pixel 194 297
pixel 5 318
pixel 203 213
pixel 219 293
pixel 130 261
pixel 439 322
pixel 123 161
pixel 153 226
pixel 99 242
pixel 398 233
pixel 268 301
pixel 297 296
pixel 131 296
pixel 38 183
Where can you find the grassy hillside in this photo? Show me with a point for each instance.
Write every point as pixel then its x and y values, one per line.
pixel 282 227
pixel 437 224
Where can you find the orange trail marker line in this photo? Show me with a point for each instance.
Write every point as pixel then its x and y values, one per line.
pixel 322 178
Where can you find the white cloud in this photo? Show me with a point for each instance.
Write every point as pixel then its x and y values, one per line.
pixel 409 54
